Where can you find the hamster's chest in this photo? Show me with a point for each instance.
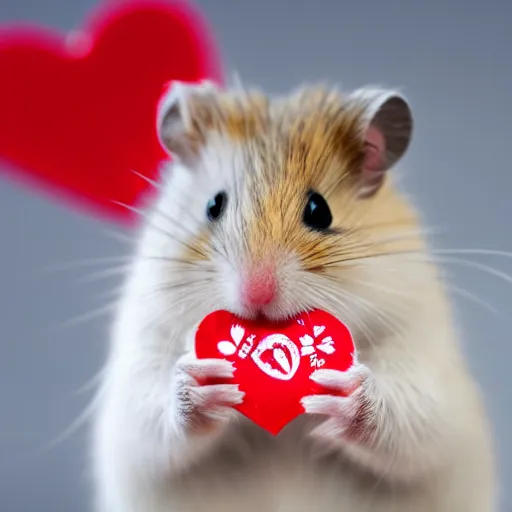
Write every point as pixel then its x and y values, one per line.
pixel 253 470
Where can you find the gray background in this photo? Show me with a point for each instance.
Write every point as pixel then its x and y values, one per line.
pixel 452 59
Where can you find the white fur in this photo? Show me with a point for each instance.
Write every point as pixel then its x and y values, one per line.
pixel 432 451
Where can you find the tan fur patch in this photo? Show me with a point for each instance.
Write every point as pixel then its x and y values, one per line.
pixel 317 146
pixel 310 140
pixel 199 248
pixel 239 116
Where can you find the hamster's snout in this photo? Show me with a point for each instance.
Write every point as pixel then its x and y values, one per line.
pixel 258 286
pixel 264 287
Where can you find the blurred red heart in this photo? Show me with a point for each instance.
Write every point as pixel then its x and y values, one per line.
pixel 77 113
pixel 274 361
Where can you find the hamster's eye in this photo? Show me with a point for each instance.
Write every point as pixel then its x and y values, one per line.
pixel 216 205
pixel 317 214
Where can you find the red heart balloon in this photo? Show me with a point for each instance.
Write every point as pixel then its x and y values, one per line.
pixel 77 113
pixel 274 361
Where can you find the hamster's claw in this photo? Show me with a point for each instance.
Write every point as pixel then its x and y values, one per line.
pixel 201 369
pixel 345 413
pixel 344 408
pixel 345 382
pixel 199 405
pixel 215 401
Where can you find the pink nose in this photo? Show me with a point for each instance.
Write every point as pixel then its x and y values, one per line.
pixel 259 286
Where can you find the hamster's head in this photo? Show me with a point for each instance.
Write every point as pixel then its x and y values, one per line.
pixel 274 206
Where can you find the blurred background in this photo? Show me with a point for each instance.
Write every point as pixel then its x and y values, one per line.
pixel 452 60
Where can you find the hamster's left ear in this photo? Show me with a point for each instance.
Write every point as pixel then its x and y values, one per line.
pixel 386 129
pixel 183 115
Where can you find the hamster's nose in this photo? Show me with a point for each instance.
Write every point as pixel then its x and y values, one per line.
pixel 259 286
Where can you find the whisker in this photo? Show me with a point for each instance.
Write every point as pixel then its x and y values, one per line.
pixel 338 295
pixel 75 425
pixel 159 229
pixel 94 381
pixel 476 252
pixel 389 323
pixel 450 286
pixel 103 274
pixel 119 237
pixel 192 268
pixel 90 262
pixel 112 293
pixel 476 265
pixel 168 287
pixel 159 317
pixel 375 286
pixel 86 317
pixel 370 257
pixel 472 298
pixel 157 186
pixel 168 259
pixel 192 235
pixel 414 234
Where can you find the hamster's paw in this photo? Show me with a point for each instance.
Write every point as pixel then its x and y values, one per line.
pixel 198 405
pixel 348 407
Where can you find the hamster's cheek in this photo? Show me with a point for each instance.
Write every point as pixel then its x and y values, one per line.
pixel 228 286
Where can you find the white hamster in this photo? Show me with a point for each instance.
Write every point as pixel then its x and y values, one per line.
pixel 273 206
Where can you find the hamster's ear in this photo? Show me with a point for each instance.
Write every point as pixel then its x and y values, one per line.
pixel 386 128
pixel 181 117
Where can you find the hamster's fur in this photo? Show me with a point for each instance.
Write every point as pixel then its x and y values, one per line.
pixel 413 436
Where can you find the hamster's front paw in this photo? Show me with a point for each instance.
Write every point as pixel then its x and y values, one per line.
pixel 198 406
pixel 349 415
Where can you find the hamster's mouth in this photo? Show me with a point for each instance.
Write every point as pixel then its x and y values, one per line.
pixel 277 356
pixel 267 315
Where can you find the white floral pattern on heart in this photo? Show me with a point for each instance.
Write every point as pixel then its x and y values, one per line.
pixel 237 333
pixel 277 355
pixel 309 347
pixel 228 348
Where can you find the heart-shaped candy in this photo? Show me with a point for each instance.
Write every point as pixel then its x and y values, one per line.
pixel 77 113
pixel 273 361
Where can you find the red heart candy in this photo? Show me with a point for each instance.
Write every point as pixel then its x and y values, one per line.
pixel 77 113
pixel 274 361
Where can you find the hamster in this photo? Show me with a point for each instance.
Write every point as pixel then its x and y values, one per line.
pixel 272 207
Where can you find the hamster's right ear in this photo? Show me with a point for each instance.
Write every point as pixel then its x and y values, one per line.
pixel 386 125
pixel 182 118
